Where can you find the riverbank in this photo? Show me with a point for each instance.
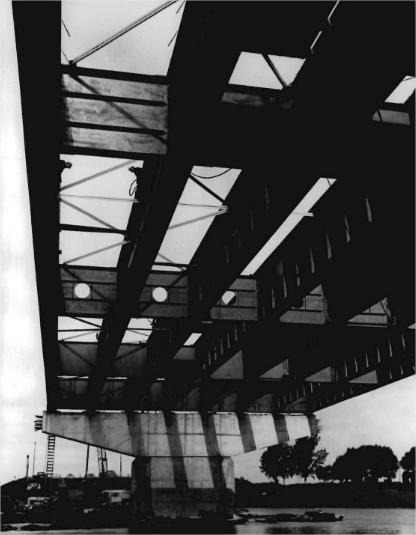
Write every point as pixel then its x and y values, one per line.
pixel 365 520
pixel 325 495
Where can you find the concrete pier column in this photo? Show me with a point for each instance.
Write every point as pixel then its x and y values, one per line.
pixel 182 487
pixel 182 463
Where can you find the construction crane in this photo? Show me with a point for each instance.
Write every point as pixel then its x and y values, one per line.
pixel 102 462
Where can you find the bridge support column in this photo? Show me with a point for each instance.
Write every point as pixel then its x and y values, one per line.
pixel 182 487
pixel 183 462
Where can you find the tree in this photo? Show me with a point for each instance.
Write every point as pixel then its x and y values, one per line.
pixel 324 473
pixel 381 463
pixel 407 462
pixel 277 461
pixel 301 459
pixel 344 467
pixel 306 458
pixel 366 463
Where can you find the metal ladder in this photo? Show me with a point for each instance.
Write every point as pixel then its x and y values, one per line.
pixel 50 455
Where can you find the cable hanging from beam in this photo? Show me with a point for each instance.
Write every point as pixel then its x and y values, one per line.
pixel 213 176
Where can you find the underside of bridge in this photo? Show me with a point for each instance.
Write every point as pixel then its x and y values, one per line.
pixel 238 345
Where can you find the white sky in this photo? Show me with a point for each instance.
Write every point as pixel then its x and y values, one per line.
pixel 386 416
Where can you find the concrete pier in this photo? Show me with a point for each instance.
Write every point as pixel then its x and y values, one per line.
pixel 183 487
pixel 183 464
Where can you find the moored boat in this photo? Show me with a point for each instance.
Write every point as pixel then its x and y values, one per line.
pixel 317 515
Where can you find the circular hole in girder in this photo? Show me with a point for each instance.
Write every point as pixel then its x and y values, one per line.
pixel 160 294
pixel 229 298
pixel 299 303
pixel 82 290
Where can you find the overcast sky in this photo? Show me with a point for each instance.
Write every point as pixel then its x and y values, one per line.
pixel 386 416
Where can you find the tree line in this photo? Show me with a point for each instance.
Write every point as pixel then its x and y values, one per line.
pixel 357 465
pixel 365 464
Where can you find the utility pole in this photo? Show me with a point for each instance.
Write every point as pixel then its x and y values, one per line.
pixel 86 464
pixel 27 466
pixel 120 466
pixel 34 456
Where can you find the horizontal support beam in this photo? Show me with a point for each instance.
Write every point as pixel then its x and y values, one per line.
pixel 178 434
pixel 143 85
pixel 80 358
pixel 100 106
pixel 93 142
pixel 235 382
pixel 102 295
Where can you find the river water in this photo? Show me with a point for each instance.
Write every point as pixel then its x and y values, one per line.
pixel 356 521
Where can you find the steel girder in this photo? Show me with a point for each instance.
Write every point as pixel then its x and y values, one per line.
pixel 200 68
pixel 321 95
pixel 351 248
pixel 319 359
pixel 38 53
pixel 251 221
